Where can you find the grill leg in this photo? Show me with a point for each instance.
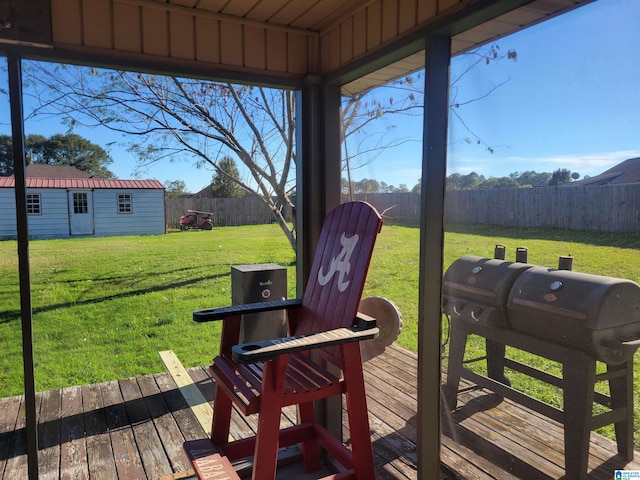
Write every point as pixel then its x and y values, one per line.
pixel 621 388
pixel 495 362
pixel 457 343
pixel 578 392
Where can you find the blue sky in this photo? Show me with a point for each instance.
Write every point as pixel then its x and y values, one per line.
pixel 570 101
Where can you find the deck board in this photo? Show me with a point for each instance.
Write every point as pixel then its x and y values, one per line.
pixel 123 439
pixel 9 409
pixel 154 458
pixel 15 463
pixel 134 428
pixel 49 434
pixel 168 429
pixel 100 457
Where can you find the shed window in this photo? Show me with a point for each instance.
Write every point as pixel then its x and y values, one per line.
pixel 33 204
pixel 124 203
pixel 80 203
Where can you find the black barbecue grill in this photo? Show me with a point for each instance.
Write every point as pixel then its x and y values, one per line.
pixel 572 318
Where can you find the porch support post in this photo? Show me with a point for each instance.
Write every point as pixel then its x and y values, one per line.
pixel 434 163
pixel 318 166
pixel 19 168
pixel 318 170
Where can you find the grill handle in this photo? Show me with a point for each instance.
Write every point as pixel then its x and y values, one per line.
pixel 522 255
pixel 565 262
pixel 623 342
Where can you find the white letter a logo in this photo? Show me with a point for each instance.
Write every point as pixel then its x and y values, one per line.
pixel 340 263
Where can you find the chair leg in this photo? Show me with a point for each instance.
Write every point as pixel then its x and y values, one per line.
pixel 356 402
pixel 265 459
pixel 310 450
pixel 221 418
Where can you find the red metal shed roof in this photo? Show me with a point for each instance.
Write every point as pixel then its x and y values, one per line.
pixel 88 183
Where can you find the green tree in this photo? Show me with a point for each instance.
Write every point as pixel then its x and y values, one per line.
pixel 6 155
pixel 69 149
pixel 226 181
pixel 367 185
pixel 417 188
pixel 502 182
pixel 533 178
pixel 453 181
pixel 385 188
pixel 175 188
pixel 560 177
pixel 471 181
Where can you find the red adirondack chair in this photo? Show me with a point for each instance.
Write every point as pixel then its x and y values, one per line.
pixel 263 377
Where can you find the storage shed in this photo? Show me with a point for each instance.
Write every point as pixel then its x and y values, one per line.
pixel 85 207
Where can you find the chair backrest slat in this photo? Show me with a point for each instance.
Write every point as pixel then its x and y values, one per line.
pixel 339 270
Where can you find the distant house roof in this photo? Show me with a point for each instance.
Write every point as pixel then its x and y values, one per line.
pixel 625 172
pixel 54 171
pixel 85 183
pixel 206 192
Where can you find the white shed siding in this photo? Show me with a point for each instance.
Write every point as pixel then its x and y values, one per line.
pixel 53 221
pixel 146 217
pixel 8 227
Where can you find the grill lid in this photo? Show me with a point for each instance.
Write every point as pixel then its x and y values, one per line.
pixel 589 301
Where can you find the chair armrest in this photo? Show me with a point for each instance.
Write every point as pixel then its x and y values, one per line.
pixel 364 328
pixel 210 314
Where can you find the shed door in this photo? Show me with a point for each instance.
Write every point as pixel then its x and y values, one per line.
pixel 81 212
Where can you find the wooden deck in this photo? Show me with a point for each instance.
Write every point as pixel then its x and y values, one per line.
pixel 134 429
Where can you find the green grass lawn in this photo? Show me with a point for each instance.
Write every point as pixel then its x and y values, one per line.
pixel 103 308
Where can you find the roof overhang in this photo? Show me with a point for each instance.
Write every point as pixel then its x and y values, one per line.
pixel 356 43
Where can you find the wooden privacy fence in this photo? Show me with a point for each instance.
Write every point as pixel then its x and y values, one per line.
pixel 394 207
pixel 227 212
pixel 609 208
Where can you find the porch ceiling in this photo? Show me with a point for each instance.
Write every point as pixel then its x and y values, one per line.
pixel 490 31
pixel 356 43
